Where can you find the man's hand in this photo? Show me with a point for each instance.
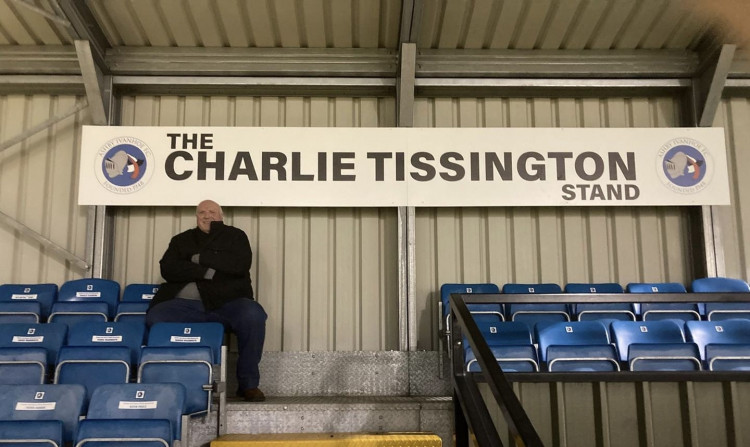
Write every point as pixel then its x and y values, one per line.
pixel 196 258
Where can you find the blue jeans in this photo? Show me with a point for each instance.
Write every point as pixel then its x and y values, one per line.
pixel 246 318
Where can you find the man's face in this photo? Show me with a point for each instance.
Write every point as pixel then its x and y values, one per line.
pixel 208 211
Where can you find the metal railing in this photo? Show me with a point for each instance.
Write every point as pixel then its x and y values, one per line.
pixel 470 409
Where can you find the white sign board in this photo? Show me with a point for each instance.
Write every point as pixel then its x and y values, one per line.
pixel 424 167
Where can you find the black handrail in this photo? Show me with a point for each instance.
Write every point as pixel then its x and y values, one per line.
pixel 470 403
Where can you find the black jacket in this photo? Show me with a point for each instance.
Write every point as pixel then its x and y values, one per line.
pixel 225 249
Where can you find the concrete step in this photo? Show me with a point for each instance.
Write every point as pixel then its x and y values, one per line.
pixel 331 414
pixel 330 440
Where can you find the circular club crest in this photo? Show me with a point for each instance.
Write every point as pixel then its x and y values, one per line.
pixel 124 165
pixel 684 165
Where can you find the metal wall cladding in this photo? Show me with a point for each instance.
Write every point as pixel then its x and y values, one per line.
pixel 22 25
pixel 560 24
pixel 534 245
pixel 250 23
pixel 733 223
pixel 327 277
pixel 38 188
pixel 629 414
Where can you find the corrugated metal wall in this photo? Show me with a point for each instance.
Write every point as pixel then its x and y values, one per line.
pixel 733 223
pixel 629 414
pixel 38 188
pixel 561 245
pixel 328 277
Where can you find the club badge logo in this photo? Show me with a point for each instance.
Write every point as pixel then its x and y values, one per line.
pixel 124 165
pixel 684 165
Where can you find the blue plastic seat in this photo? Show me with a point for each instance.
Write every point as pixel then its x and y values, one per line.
pixel 47 336
pixel 90 290
pixel 576 346
pixel 665 311
pixel 188 334
pixel 23 366
pixel 600 311
pixel 20 312
pixel 110 334
pixel 510 343
pixel 132 312
pixel 139 293
pixel 149 411
pixel 664 357
pixel 626 333
pixel 44 294
pixel 92 366
pixel 447 289
pixel 32 433
pixel 188 365
pixel 43 412
pixel 717 311
pixel 73 313
pixel 532 313
pixel 729 341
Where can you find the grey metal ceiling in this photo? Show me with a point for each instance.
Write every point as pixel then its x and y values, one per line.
pixel 441 24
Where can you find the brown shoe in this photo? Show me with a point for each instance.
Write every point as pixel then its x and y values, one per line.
pixel 253 395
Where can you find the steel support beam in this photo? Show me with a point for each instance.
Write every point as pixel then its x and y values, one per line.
pixel 85 27
pixel 42 84
pixel 44 13
pixel 41 126
pixel 38 60
pixel 307 62
pixel 97 93
pixel 45 243
pixel 406 215
pixel 707 89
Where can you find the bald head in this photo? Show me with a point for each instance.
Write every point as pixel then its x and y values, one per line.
pixel 208 211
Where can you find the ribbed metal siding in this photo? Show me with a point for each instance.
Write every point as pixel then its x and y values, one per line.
pixel 734 221
pixel 38 188
pixel 328 277
pixel 20 25
pixel 251 23
pixel 560 24
pixel 531 245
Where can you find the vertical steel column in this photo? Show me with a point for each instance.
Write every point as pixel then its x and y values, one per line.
pixel 706 96
pixel 406 235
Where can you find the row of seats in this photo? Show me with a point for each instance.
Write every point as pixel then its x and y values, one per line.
pixel 98 353
pixel 116 414
pixel 533 313
pixel 89 299
pixel 664 345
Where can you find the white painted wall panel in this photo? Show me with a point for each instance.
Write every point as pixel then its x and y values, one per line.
pixel 38 189
pixel 560 245
pixel 327 277
pixel 734 220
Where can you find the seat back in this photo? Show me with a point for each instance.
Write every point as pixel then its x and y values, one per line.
pixel 49 336
pixel 729 332
pixel 44 294
pixel 626 333
pixel 664 357
pixel 655 287
pixel 447 289
pixel 44 403
pixel 531 288
pixel 605 287
pixel 23 366
pixel 138 293
pixel 140 401
pixel 115 432
pixel 574 333
pixel 188 365
pixel 32 433
pixel 132 312
pixel 71 313
pixel 20 312
pixel 92 289
pixel 718 285
pixel 188 334
pixel 92 366
pixel 113 333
